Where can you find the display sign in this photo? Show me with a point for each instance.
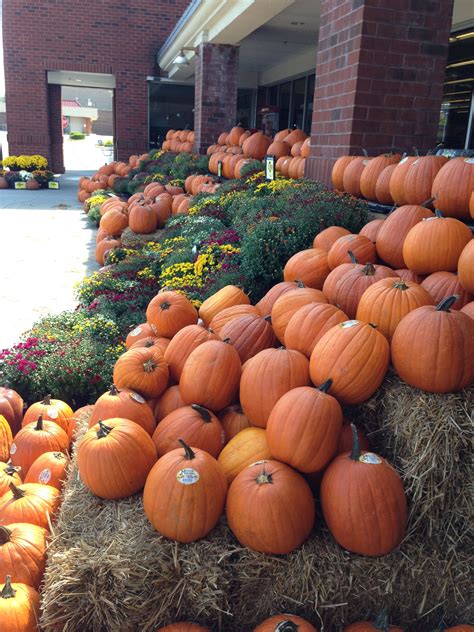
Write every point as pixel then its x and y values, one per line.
pixel 53 185
pixel 270 167
pixel 20 185
pixel 219 169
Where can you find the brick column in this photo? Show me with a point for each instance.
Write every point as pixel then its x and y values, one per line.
pixel 215 101
pixel 131 114
pixel 56 128
pixel 379 78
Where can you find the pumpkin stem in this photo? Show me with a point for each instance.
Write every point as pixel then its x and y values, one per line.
pixel 287 626
pixel 263 478
pixel 103 430
pixel 188 453
pixel 364 151
pixel 446 303
pixel 11 469
pixel 7 591
pixel 114 390
pixel 16 491
pixel 400 285
pixel 205 414
pixel 355 453
pixel 4 535
pixel 165 305
pixel 325 386
pixel 226 340
pixel 352 257
pixel 268 318
pixel 415 149
pixel 381 622
pixel 149 366
pixel 368 269
pixel 47 400
pixel 428 201
pixel 438 213
pixel 210 330
pixel 39 423
pixel 299 283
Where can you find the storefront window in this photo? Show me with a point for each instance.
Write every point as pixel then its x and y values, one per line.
pixel 171 106
pixel 299 89
pixel 309 104
pixel 245 99
pixel 457 110
pixel 272 96
pixel 284 104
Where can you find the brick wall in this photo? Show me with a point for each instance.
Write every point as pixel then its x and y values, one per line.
pixel 215 107
pixel 379 78
pixel 110 36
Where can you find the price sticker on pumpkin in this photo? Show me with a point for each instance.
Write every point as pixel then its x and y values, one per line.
pixel 469 160
pixel 403 160
pixel 348 323
pixel 44 476
pixel 136 331
pixel 13 448
pixel 370 457
pixel 187 476
pixel 138 398
pixel 52 412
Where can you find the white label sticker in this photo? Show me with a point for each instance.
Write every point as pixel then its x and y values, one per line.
pixel 416 161
pixel 348 323
pixel 138 398
pixel 370 457
pixel 258 463
pixel 136 332
pixel 52 412
pixel 45 476
pixel 187 476
pixel 13 448
pixel 469 160
pixel 365 162
pixel 153 328
pixel 222 437
pixel 403 160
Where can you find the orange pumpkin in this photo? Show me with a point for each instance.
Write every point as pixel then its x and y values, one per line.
pixel 11 407
pixel 246 447
pixel 19 607
pixel 23 553
pixel 338 169
pixel 270 508
pixel 196 489
pixel 352 175
pixel 371 229
pixel 361 246
pixel 256 145
pixel 9 474
pixel 30 503
pixel 50 410
pixel 168 312
pixel 143 370
pixel 309 323
pixel 266 377
pixel 468 309
pixel 442 284
pixel 282 622
pixel 452 187
pixel 249 335
pixel 355 356
pixel 170 400
pixel 369 175
pixel 266 303
pixel 34 440
pixel 309 266
pixel 295 136
pixel 278 149
pixel 225 297
pixel 466 267
pixel 114 223
pixel 345 440
pixel 382 186
pixel 409 275
pixel 287 304
pixel 397 180
pixel 182 344
pixel 49 469
pixel 326 238
pixel 230 313
pixel 233 420
pixel 6 439
pixel 142 220
pixel 103 247
pixel 124 403
pixel 420 176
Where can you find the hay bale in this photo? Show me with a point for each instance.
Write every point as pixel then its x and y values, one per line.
pixel 108 570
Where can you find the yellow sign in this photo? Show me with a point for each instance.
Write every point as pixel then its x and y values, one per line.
pixel 53 185
pixel 20 185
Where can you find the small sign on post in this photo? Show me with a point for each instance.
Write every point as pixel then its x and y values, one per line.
pixel 270 167
pixel 53 185
pixel 20 185
pixel 219 170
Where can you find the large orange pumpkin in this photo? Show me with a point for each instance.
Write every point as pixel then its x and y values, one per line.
pixel 9 474
pixel 278 149
pixel 285 623
pixel 183 344
pixel 23 553
pixel 266 377
pixel 50 410
pixel 466 267
pixel 6 439
pixel 295 136
pixel 168 312
pixel 433 348
pixel 352 175
pixel 256 145
pixel 309 266
pixel 270 508
pixel 230 313
pixel 309 323
pixel 442 284
pixel 328 236
pixel 337 173
pixel 19 607
pixel 386 302
pixel 30 503
pixel 233 420
pixel 142 370
pixel 435 244
pixel 246 447
pixel 468 309
pixel 363 502
pixel 142 220
pixel 393 231
pixel 249 334
pixel 123 403
pixel 419 178
pixel 282 134
pixel 170 400
pixel 193 424
pixel 35 439
pixel 287 305
pixel 49 469
pixel 397 180
pixel 355 356
pixel 265 304
pixel 382 186
pixel 114 458
pixel 103 247
pixel 304 427
pixel 184 494
pixel 143 330
pixel 225 297
pixel 453 186
pixel 211 375
pixel 11 407
pixel 369 175
pixel 361 246
pixel 371 229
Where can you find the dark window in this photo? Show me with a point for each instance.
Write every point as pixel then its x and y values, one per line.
pixel 171 106
pixel 309 104
pixel 298 102
pixel 273 96
pixel 245 107
pixel 284 104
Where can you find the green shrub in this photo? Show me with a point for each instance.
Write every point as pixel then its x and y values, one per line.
pixel 77 136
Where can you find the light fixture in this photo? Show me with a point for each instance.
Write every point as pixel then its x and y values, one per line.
pixel 181 59
pixel 458 64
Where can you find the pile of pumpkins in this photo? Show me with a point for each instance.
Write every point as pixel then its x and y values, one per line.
pixel 246 399
pixel 106 176
pixel 392 179
pixel 179 141
pixel 34 449
pixel 238 147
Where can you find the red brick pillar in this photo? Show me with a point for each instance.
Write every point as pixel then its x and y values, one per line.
pixel 131 114
pixel 215 101
pixel 379 78
pixel 55 128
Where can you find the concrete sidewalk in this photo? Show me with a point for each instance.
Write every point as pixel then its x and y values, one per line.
pixel 46 247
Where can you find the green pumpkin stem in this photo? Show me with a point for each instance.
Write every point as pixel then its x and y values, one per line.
pixel 5 535
pixel 149 366
pixel 39 423
pixel 446 303
pixel 355 453
pixel 11 469
pixel 268 318
pixel 103 430
pixel 325 386
pixel 114 390
pixel 188 453
pixel 287 626
pixel 400 285
pixel 428 201
pixel 381 622
pixel 16 491
pixel 368 269
pixel 47 400
pixel 165 305
pixel 299 283
pixel 352 257
pixel 205 414
pixel 7 591
pixel 438 213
